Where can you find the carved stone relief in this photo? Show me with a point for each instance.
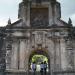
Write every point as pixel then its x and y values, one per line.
pixel 39 17
pixel 8 53
pixel 39 38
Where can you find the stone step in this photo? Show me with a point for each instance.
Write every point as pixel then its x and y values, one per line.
pixel 23 73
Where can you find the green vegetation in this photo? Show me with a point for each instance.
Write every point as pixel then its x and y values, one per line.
pixel 39 58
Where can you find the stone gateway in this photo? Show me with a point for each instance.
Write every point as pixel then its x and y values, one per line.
pixel 39 33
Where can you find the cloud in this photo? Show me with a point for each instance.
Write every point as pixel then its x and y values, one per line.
pixel 8 8
pixel 68 10
pixel 67 7
pixel 2 22
pixel 10 1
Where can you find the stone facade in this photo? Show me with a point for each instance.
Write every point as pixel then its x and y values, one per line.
pixel 39 30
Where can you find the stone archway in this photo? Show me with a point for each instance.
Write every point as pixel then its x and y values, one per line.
pixel 39 52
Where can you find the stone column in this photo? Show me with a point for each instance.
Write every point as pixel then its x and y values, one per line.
pixel 28 16
pixel 63 54
pixel 14 56
pixel 51 53
pixel 26 56
pixel 55 56
pixel 74 52
pixel 26 62
pixel 22 54
pixel 23 65
pixel 50 15
pixel 58 55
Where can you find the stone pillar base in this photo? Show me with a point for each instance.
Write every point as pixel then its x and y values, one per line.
pixel 64 73
pixel 15 73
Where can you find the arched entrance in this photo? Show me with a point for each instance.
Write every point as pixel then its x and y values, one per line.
pixel 39 56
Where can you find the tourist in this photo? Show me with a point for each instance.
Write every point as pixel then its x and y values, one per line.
pixel 34 67
pixel 45 67
pixel 41 68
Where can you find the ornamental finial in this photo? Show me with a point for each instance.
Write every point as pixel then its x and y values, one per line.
pixel 9 21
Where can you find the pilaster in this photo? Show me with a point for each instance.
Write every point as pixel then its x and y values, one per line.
pixel 22 54
pixel 50 15
pixel 63 54
pixel 14 56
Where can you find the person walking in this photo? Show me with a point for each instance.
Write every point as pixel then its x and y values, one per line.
pixel 34 68
pixel 41 68
pixel 45 68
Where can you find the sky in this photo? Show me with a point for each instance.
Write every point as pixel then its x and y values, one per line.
pixel 9 9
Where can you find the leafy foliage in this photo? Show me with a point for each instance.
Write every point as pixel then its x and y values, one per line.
pixel 39 58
